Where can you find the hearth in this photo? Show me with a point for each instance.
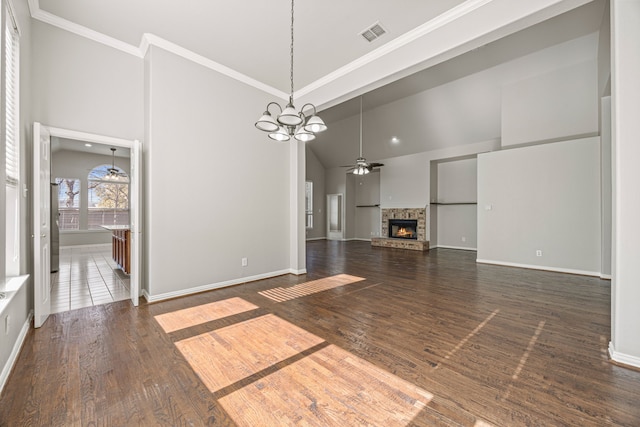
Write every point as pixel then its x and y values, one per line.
pixel 403 229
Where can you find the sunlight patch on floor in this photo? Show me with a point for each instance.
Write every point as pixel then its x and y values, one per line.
pixel 330 387
pixel 471 334
pixel 308 288
pixel 193 316
pixel 230 354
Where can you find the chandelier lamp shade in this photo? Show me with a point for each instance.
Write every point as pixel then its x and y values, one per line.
pixel 289 122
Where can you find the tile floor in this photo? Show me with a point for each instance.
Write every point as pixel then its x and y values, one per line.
pixel 87 276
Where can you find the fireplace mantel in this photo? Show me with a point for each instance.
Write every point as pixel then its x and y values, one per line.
pixel 419 214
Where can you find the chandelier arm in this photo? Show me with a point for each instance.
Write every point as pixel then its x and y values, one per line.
pixel 273 103
pixel 308 104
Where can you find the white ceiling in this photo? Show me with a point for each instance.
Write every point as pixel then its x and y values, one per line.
pixel 59 144
pixel 428 44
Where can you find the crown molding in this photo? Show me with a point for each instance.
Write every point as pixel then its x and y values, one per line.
pixel 72 27
pixel 153 40
pixel 350 70
pixel 397 43
pixel 147 41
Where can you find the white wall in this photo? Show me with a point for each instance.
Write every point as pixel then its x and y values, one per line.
pixel 20 306
pixel 316 174
pixel 75 164
pixel 544 197
pixel 82 85
pixel 625 101
pixel 560 104
pixel 230 180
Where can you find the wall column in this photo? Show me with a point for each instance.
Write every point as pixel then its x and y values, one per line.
pixel 625 91
pixel 297 237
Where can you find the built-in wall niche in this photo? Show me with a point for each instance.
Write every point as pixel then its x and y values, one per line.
pixel 453 203
pixel 367 204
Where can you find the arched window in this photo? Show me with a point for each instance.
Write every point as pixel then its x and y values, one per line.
pixel 108 197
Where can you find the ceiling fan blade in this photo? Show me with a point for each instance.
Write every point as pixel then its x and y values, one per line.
pixel 376 165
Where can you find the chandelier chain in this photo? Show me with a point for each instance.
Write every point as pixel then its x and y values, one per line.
pixel 291 51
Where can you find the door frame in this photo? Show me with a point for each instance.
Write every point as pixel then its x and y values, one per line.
pixel 135 189
pixel 336 235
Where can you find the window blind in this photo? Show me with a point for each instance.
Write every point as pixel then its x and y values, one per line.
pixel 11 99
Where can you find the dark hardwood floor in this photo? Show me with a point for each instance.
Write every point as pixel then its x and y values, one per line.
pixel 370 336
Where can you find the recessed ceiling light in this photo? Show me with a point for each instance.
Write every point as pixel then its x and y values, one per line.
pixel 87 145
pixel 395 140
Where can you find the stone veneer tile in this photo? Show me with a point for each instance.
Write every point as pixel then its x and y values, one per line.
pixel 419 214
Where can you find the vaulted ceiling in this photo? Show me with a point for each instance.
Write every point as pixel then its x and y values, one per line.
pixel 428 44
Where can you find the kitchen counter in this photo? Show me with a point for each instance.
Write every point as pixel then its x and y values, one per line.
pixel 116 227
pixel 121 245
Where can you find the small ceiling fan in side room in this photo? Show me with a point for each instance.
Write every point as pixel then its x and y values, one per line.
pixel 362 167
pixel 115 174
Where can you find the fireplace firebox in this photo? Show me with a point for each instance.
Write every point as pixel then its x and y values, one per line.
pixel 403 229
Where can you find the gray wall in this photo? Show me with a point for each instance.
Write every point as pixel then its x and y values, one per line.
pixel 316 174
pixel 82 85
pixel 556 105
pixel 75 164
pixel 231 181
pixel 544 197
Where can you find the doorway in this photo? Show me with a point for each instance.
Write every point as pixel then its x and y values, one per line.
pixel 86 259
pixel 335 217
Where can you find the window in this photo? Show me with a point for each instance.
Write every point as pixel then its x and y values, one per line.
pixel 68 203
pixel 12 141
pixel 108 197
pixel 308 203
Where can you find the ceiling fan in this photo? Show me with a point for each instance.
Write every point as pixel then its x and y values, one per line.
pixel 114 173
pixel 362 167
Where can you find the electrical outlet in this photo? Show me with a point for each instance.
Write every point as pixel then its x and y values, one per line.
pixel 464 239
pixel 538 252
pixel 245 262
pixel 7 325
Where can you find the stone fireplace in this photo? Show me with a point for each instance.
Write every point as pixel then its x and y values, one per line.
pixel 404 228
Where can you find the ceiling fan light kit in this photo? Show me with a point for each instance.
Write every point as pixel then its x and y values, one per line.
pixel 290 122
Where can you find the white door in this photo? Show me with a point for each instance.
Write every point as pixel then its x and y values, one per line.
pixel 136 222
pixel 41 223
pixel 335 217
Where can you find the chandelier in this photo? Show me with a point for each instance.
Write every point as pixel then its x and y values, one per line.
pixel 290 122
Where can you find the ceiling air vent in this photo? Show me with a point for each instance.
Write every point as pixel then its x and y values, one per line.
pixel 373 32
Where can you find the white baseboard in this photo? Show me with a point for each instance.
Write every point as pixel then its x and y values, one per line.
pixel 453 247
pixel 212 286
pixel 15 351
pixel 539 267
pixel 625 359
pixel 606 277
